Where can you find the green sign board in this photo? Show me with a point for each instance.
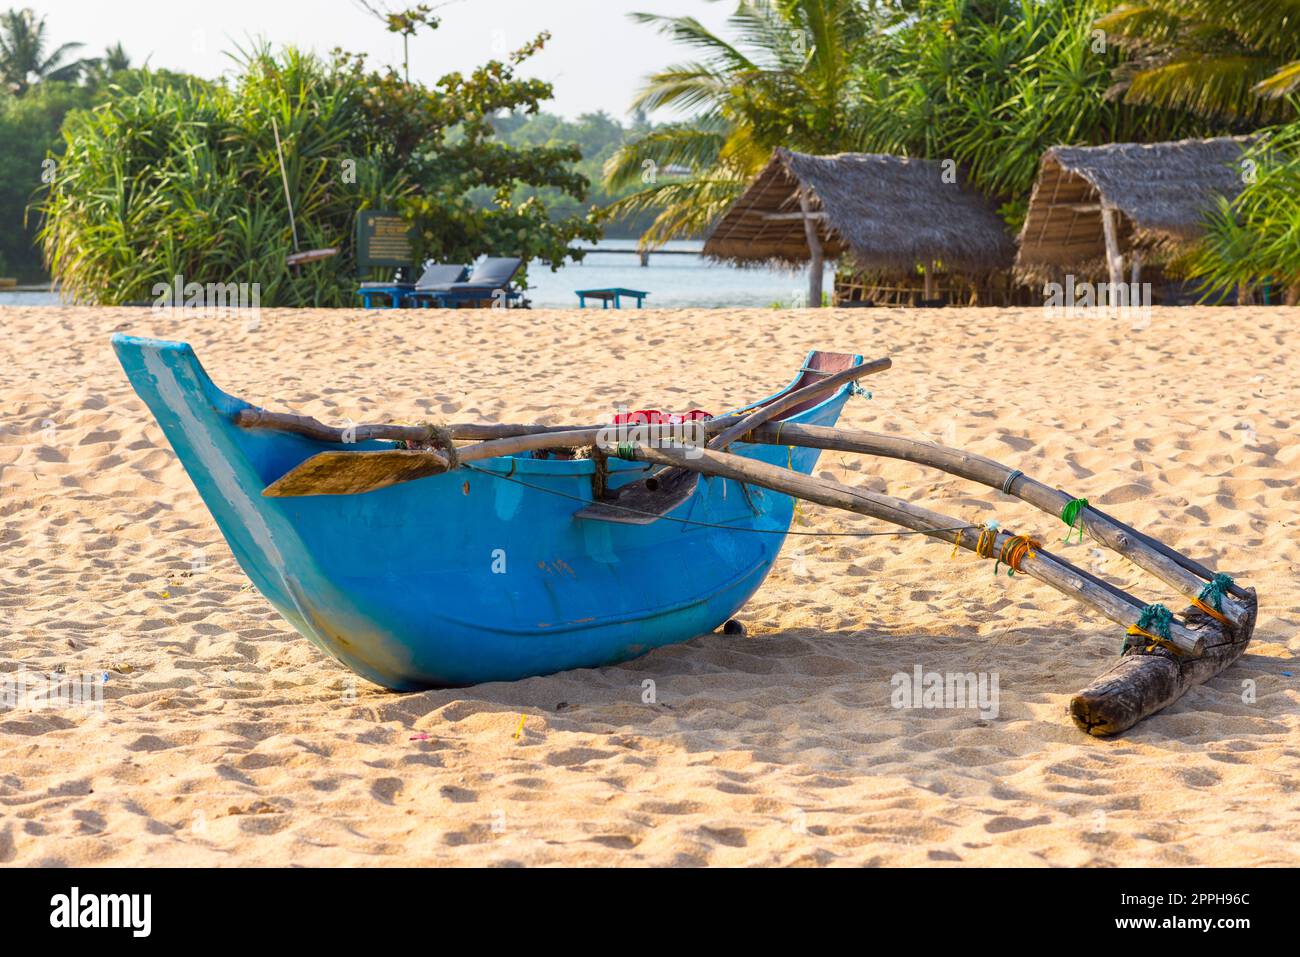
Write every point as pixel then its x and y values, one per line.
pixel 383 239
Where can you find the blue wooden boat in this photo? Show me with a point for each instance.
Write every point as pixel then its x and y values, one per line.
pixel 468 577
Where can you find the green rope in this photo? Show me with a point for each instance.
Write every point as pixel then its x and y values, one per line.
pixel 1155 620
pixel 855 389
pixel 1212 594
pixel 1072 515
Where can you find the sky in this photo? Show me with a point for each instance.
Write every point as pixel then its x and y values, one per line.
pixel 597 57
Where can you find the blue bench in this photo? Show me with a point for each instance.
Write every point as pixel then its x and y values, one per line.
pixel 606 296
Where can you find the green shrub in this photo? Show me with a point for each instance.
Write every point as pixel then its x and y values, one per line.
pixel 1256 238
pixel 181 177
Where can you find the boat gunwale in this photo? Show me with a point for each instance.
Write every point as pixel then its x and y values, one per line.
pixel 523 463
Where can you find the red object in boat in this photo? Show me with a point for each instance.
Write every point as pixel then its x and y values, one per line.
pixel 655 417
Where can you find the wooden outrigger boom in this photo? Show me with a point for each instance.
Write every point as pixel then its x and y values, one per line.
pixel 1162 659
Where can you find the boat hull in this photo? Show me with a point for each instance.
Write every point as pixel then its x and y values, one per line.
pixel 472 576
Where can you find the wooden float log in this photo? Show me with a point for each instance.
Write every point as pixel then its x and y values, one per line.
pixel 1142 683
pixel 1039 564
pixel 1135 547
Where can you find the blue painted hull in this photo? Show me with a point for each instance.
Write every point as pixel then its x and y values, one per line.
pixel 464 578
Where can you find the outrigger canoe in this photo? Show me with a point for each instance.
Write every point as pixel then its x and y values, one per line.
pixel 467 577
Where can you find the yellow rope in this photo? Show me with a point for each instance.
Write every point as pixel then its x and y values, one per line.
pixel 1156 640
pixel 985 544
pixel 1210 611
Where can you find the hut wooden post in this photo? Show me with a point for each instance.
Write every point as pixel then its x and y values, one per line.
pixel 1135 276
pixel 931 286
pixel 816 255
pixel 1114 259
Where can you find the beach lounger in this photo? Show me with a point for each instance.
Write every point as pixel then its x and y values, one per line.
pixel 490 280
pixel 436 275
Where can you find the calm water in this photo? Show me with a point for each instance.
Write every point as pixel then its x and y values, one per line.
pixel 672 281
pixel 29 299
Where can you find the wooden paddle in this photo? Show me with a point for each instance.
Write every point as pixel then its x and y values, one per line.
pixel 355 473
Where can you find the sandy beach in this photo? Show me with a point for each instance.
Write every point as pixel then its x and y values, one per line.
pixel 227 739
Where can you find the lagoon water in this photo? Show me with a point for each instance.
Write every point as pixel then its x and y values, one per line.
pixel 673 281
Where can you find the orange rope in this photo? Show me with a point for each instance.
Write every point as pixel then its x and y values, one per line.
pixel 1014 551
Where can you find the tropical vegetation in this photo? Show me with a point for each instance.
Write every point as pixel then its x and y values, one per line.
pixel 159 174
pixel 1255 239
pixel 25 55
pixel 786 76
pixel 987 84
pixel 183 178
pixel 1233 59
pixel 597 136
pixel 994 85
pixel 39 87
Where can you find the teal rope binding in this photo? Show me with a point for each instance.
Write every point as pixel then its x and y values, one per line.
pixel 1213 593
pixel 1155 620
pixel 855 389
pixel 1072 515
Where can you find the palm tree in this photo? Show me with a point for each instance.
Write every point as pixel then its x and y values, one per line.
pixel 115 59
pixel 785 79
pixel 1236 59
pixel 992 85
pixel 105 69
pixel 23 60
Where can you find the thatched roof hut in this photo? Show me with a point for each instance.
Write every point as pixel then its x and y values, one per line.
pixel 1154 194
pixel 888 213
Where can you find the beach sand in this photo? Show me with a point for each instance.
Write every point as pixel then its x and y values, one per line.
pixel 227 739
